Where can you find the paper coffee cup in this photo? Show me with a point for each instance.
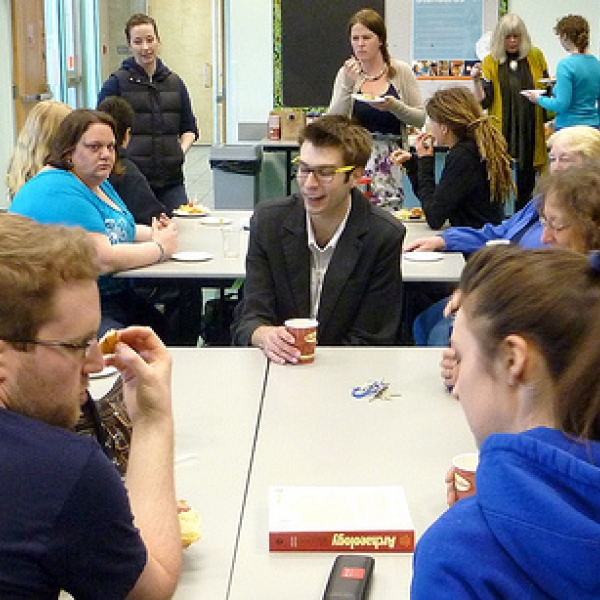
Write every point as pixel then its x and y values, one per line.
pixel 305 337
pixel 465 466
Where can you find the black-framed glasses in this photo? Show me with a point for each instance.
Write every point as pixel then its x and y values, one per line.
pixel 323 173
pixel 81 349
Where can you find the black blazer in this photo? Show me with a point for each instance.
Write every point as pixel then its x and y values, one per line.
pixel 361 299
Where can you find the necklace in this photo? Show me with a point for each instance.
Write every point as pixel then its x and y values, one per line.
pixel 374 77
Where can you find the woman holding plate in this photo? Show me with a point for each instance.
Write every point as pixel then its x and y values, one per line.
pixel 382 94
pixel 73 189
pixel 577 90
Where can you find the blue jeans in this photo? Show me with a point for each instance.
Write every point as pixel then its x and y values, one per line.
pixel 431 328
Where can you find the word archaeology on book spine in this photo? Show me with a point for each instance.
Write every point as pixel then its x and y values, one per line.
pixel 308 541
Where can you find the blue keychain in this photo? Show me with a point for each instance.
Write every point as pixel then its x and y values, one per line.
pixel 371 390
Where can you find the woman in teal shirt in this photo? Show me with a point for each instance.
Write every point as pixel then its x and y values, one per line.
pixel 73 190
pixel 576 95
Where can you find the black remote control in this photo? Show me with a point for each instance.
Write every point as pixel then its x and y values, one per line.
pixel 350 578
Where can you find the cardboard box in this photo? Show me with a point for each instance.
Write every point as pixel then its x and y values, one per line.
pixel 292 120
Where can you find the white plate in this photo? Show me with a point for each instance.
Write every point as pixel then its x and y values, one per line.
pixel 423 256
pixel 525 92
pixel 368 99
pixel 106 372
pixel 183 213
pixel 483 45
pixel 192 256
pixel 216 221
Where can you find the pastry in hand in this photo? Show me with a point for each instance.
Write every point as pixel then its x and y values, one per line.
pixel 189 523
pixel 108 341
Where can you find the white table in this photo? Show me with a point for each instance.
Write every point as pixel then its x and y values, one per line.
pixel 194 236
pixel 217 402
pixel 216 398
pixel 189 278
pixel 197 237
pixel 312 432
pixel 446 270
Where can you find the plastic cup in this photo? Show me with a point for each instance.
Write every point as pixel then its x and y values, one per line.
pixel 305 337
pixel 465 466
pixel 231 241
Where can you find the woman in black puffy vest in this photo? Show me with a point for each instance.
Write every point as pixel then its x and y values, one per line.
pixel 164 127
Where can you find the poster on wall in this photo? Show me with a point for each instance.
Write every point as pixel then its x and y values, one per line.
pixel 445 33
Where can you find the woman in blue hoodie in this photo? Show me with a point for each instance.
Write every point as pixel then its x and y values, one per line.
pixel 164 127
pixel 528 345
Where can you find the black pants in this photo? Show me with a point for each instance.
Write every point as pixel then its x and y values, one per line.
pixel 127 307
pixel 526 177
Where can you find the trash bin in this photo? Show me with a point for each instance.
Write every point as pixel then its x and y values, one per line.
pixel 235 175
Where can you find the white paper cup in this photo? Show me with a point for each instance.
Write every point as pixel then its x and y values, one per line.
pixel 465 466
pixel 305 337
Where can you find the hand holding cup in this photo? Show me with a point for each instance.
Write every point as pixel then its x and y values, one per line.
pixel 464 467
pixel 305 337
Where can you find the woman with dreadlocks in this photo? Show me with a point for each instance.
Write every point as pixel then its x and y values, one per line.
pixel 476 179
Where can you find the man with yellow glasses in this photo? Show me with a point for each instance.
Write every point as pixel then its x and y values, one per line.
pixel 326 253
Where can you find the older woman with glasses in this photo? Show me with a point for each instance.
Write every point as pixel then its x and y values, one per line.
pixel 569 208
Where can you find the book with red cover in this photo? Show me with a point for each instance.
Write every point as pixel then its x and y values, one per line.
pixel 339 519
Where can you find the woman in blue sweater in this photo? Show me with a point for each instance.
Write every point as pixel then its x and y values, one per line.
pixel 577 90
pixel 530 391
pixel 567 148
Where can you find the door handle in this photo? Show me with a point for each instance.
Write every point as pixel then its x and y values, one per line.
pixel 30 98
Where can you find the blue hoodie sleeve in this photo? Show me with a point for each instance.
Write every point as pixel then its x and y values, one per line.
pixel 467 239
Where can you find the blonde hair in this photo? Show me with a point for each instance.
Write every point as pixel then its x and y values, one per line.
pixel 459 110
pixel 509 24
pixel 580 139
pixel 33 143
